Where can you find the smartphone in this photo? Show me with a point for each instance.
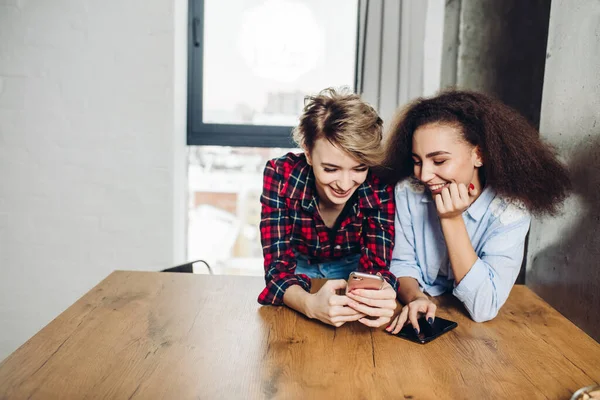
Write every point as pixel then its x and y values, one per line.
pixel 427 332
pixel 360 280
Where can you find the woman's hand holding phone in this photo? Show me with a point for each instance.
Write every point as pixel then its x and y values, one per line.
pixel 330 308
pixel 410 313
pixel 374 303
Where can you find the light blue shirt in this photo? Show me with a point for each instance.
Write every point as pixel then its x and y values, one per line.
pixel 497 229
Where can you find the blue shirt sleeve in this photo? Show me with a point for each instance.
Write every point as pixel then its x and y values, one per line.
pixel 404 258
pixel 486 286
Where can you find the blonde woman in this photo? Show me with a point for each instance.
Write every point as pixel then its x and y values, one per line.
pixel 326 214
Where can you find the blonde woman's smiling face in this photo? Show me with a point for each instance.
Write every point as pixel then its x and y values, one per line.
pixel 337 173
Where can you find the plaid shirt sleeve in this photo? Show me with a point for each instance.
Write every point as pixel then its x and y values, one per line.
pixel 378 238
pixel 275 231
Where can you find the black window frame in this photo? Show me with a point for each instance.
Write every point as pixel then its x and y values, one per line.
pixel 239 135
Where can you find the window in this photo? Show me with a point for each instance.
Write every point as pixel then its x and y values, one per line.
pixel 225 184
pixel 251 62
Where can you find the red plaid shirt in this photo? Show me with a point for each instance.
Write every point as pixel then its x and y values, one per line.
pixel 291 221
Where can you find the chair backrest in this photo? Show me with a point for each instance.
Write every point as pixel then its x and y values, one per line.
pixel 188 267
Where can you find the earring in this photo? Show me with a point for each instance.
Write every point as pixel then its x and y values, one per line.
pixel 478 164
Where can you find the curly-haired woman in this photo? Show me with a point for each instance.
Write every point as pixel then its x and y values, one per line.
pixel 469 171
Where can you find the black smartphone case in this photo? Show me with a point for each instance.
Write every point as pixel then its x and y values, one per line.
pixel 427 332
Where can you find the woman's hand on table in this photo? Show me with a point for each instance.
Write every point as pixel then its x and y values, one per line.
pixel 374 303
pixel 410 314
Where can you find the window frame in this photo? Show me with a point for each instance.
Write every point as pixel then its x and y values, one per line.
pixel 239 135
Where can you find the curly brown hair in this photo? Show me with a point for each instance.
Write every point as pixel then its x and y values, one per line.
pixel 346 121
pixel 516 162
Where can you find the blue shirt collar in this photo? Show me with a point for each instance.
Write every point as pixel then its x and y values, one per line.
pixel 481 205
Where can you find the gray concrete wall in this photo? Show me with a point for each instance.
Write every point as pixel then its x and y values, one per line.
pixel 564 252
pixel 501 50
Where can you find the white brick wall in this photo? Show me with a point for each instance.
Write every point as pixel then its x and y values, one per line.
pixel 92 155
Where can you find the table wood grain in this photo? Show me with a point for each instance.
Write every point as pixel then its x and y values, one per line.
pixel 152 335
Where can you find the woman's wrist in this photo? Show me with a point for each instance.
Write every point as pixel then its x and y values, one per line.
pixel 452 220
pixel 418 295
pixel 308 308
pixel 299 299
pixel 409 290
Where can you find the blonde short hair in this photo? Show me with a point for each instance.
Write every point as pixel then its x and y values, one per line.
pixel 346 121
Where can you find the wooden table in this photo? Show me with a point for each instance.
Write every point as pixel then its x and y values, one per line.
pixel 178 336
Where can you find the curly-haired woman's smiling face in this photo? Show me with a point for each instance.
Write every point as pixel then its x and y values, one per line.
pixel 441 156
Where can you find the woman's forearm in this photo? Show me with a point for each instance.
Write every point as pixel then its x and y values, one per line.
pixel 298 299
pixel 409 290
pixel 460 250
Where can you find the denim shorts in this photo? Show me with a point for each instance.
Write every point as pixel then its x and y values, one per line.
pixel 335 269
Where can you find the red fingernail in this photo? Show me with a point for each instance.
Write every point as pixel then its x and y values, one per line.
pixel 471 186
